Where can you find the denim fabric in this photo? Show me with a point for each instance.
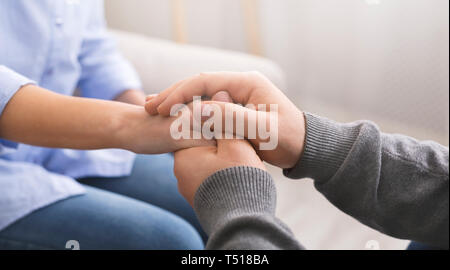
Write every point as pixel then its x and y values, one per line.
pixel 142 211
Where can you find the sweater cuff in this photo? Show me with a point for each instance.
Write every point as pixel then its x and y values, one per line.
pixel 327 146
pixel 234 192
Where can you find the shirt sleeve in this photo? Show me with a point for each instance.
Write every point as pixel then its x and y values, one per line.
pixel 105 73
pixel 10 83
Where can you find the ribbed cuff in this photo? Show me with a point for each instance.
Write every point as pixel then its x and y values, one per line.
pixel 327 146
pixel 234 192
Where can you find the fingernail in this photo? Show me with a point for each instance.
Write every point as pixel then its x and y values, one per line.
pixel 222 96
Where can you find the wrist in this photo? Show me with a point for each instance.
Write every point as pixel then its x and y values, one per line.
pixel 301 140
pixel 124 126
pixel 295 141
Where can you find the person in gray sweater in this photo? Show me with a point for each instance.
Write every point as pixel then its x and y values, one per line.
pixel 392 183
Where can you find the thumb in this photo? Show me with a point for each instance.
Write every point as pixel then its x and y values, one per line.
pixel 228 147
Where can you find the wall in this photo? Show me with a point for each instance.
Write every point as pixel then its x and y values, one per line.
pixel 385 60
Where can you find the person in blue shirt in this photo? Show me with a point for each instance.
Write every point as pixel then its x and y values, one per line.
pixel 55 185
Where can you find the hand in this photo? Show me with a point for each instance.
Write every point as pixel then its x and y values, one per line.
pixel 145 134
pixel 195 165
pixel 190 169
pixel 132 96
pixel 244 88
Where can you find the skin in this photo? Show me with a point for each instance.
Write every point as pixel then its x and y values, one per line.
pixel 243 88
pixel 37 116
pixel 226 88
pixel 190 169
pixel 189 163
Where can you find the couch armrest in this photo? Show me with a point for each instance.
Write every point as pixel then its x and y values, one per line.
pixel 161 63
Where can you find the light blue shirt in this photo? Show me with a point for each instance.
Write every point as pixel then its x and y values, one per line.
pixel 60 45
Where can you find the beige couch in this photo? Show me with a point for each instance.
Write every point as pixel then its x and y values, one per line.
pixel 161 63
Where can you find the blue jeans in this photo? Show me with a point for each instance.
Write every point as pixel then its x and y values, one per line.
pixel 420 246
pixel 142 211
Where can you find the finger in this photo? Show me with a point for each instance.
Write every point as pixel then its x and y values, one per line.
pixel 208 84
pixel 235 119
pixel 222 96
pixel 150 97
pixel 155 101
pixel 228 146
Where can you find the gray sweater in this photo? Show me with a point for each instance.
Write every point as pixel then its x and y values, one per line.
pixel 392 183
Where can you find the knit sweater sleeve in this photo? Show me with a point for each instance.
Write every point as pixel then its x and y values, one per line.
pixel 236 208
pixel 392 183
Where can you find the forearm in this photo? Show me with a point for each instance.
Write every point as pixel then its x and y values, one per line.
pixel 39 117
pixel 236 207
pixel 392 183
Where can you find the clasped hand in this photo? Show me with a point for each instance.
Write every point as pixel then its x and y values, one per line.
pixel 194 165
